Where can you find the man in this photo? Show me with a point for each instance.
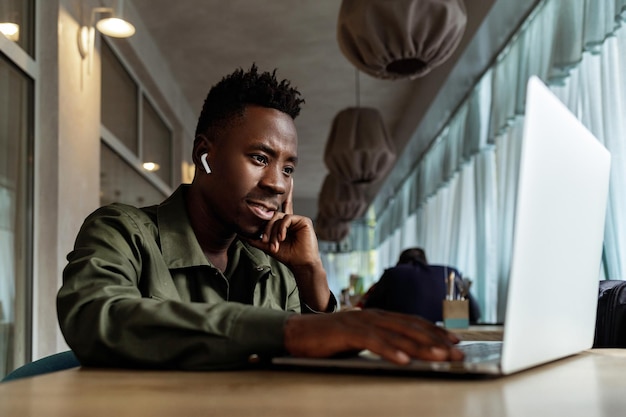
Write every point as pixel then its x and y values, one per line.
pixel 218 272
pixel 415 287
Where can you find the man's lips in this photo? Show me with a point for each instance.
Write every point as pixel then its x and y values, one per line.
pixel 262 211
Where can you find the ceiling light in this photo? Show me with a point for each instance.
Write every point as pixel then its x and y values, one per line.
pixel 402 38
pixel 115 27
pixel 9 18
pixel 10 30
pixel 114 24
pixel 151 166
pixel 359 149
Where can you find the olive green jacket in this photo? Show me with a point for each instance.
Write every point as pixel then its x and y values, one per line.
pixel 139 292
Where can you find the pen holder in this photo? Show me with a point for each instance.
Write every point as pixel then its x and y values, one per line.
pixel 456 314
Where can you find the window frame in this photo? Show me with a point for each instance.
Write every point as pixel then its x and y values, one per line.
pixel 126 154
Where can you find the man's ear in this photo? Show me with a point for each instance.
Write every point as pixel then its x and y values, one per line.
pixel 201 145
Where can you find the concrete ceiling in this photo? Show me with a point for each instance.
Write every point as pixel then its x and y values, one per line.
pixel 203 40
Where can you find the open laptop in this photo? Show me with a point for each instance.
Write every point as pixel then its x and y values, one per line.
pixel 557 248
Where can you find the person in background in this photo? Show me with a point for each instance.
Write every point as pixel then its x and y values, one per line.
pixel 415 287
pixel 222 273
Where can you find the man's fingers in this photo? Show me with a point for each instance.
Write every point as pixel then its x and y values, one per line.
pixel 395 337
pixel 417 326
pixel 399 349
pixel 414 336
pixel 276 231
pixel 288 204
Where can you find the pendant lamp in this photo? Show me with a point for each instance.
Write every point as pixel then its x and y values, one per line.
pixel 331 230
pixel 340 200
pixel 392 39
pixel 358 149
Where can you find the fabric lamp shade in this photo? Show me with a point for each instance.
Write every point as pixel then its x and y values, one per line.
pixel 331 230
pixel 340 200
pixel 393 39
pixel 358 149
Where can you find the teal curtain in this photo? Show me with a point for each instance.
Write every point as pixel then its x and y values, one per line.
pixel 596 91
pixel 458 203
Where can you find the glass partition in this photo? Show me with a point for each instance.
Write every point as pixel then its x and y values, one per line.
pixel 120 182
pixel 16 206
pixel 137 151
pixel 119 110
pixel 157 142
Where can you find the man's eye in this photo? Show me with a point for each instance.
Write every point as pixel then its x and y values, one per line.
pixel 260 158
pixel 288 170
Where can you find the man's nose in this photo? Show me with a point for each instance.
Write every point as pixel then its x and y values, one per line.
pixel 275 179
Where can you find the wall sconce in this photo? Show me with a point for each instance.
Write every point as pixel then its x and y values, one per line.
pixel 113 25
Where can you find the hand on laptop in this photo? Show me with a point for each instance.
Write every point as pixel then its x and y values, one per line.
pixel 395 337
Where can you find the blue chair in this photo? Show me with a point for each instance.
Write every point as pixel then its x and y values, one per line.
pixel 52 363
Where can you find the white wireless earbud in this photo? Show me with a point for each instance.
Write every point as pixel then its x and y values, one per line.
pixel 205 164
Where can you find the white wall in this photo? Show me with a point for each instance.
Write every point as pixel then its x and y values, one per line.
pixel 67 158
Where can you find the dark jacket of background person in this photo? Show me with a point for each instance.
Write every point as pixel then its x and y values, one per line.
pixel 415 288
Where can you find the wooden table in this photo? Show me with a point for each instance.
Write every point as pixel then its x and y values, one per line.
pixel 480 332
pixel 591 384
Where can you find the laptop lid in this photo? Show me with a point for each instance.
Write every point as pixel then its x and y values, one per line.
pixel 558 233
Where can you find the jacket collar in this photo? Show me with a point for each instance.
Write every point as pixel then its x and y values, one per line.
pixel 179 245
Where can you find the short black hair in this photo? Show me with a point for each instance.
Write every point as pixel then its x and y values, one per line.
pixel 413 256
pixel 234 92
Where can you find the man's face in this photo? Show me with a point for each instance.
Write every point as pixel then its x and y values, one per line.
pixel 252 162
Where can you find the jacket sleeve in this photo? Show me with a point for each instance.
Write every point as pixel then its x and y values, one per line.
pixel 107 321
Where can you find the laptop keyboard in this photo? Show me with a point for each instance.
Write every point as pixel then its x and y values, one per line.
pixel 480 351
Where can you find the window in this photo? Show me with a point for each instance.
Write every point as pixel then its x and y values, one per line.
pixel 119 111
pixel 157 142
pixel 121 183
pixel 136 151
pixel 16 207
